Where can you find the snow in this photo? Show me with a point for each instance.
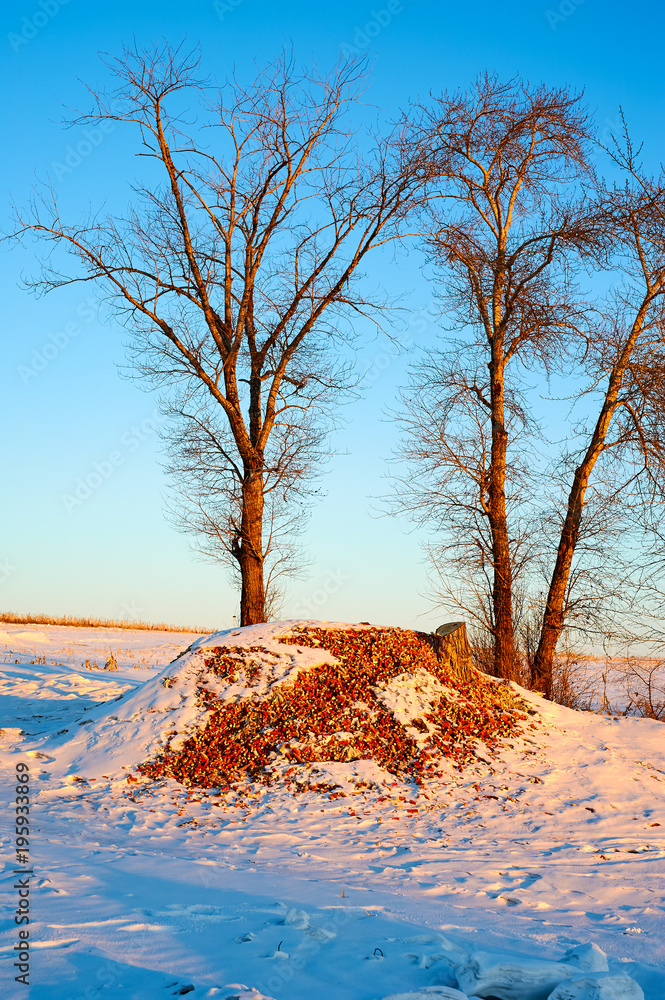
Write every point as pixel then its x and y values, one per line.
pixel 603 986
pixel 20 635
pixel 430 993
pixel 588 957
pixel 409 696
pixel 545 862
pixel 525 978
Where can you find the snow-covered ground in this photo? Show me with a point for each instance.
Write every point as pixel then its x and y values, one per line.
pixel 143 891
pixel 49 673
pixel 618 683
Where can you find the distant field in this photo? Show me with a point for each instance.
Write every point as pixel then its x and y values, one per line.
pixel 10 618
pixel 614 685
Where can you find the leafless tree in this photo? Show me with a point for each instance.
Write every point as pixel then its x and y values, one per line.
pixel 204 472
pixel 621 454
pixel 506 226
pixel 509 261
pixel 447 449
pixel 238 270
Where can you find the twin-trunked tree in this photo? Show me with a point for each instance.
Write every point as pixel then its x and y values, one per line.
pixel 238 272
pixel 515 214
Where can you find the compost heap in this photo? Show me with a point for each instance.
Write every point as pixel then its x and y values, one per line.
pixel 381 694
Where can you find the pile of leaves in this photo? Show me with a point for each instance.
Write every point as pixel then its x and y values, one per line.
pixel 333 712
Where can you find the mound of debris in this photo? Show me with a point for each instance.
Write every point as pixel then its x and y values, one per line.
pixel 409 702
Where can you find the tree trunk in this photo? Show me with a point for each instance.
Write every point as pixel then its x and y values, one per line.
pixel 554 617
pixel 502 599
pixel 502 587
pixel 250 553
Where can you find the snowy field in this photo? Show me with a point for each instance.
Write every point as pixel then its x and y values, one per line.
pixel 493 884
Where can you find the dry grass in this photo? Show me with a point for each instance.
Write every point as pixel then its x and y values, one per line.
pixel 9 618
pixel 628 685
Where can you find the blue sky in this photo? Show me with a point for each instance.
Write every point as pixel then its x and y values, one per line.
pixel 66 408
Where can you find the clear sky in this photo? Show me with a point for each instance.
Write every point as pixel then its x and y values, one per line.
pixel 65 408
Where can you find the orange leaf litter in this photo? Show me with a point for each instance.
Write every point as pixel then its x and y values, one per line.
pixel 332 712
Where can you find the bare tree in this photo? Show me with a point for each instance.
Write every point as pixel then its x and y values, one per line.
pixel 470 436
pixel 623 452
pixel 204 471
pixel 506 226
pixel 447 450
pixel 240 273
